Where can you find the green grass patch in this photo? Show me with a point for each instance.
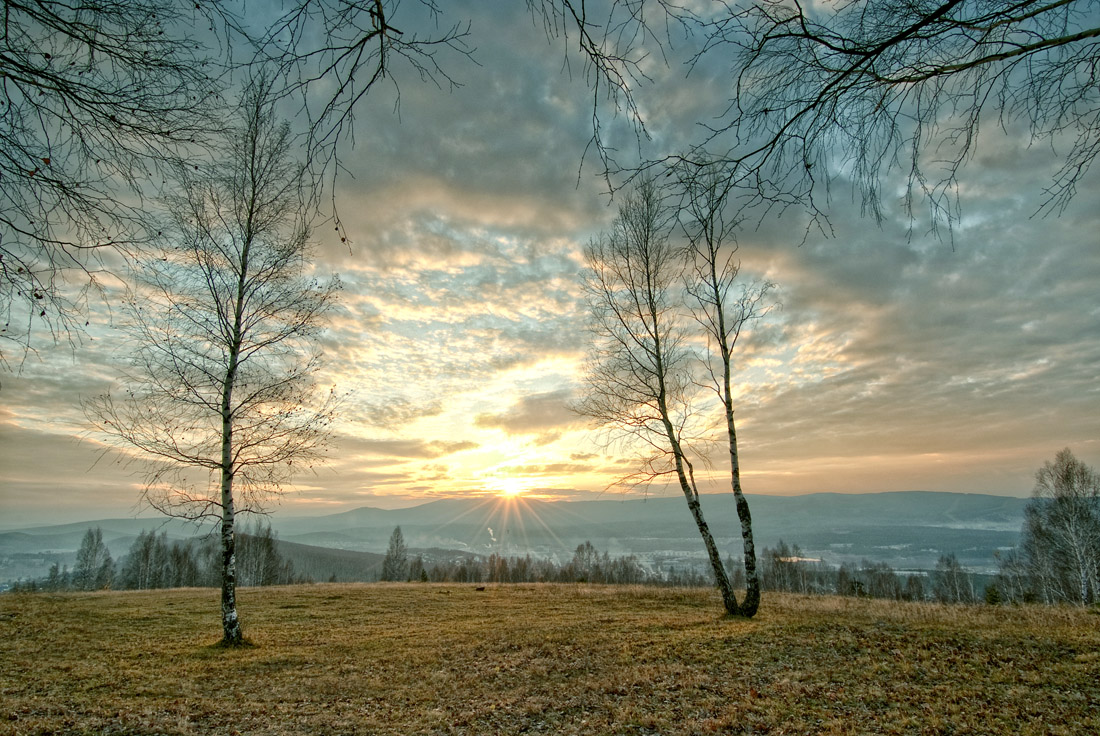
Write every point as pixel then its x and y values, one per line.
pixel 447 659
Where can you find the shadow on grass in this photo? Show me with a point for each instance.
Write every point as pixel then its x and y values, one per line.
pixel 241 645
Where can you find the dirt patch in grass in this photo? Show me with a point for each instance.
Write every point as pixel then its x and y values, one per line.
pixel 447 659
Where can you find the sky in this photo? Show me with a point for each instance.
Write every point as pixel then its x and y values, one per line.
pixel 897 360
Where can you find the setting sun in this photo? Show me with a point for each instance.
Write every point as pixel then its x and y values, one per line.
pixel 509 487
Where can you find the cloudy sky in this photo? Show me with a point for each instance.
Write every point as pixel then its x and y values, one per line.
pixel 898 361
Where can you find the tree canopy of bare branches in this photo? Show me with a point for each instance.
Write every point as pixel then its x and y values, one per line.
pixel 98 100
pixel 329 54
pixel 220 398
pixel 95 100
pixel 872 86
pixel 864 89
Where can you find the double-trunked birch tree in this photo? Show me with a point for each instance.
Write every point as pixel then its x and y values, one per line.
pixel 220 397
pixel 665 323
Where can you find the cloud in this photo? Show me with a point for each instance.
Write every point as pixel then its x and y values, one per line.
pixel 537 470
pixel 534 414
pixel 901 347
pixel 403 448
pixel 397 411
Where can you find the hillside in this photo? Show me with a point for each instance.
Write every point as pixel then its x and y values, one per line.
pixel 406 659
pixel 339 565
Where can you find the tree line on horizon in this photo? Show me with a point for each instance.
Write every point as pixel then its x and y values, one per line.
pixel 1057 561
pixel 156 562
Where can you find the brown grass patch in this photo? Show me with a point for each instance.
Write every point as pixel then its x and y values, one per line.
pixel 442 659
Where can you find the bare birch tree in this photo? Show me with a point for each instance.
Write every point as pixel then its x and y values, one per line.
pixel 1061 535
pixel 950 582
pixel 220 399
pixel 640 373
pixel 94 568
pixel 722 313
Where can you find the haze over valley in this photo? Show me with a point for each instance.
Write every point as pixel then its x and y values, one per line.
pixel 907 530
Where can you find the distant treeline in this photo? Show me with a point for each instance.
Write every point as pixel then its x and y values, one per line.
pixel 154 561
pixel 1036 572
pixel 1056 562
pixel 784 568
pixel 587 565
pixel 781 569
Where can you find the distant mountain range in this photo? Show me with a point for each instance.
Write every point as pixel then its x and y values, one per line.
pixel 909 530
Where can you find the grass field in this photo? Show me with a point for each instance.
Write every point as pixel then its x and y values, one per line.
pixel 427 659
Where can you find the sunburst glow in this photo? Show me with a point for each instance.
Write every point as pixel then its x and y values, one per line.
pixel 508 487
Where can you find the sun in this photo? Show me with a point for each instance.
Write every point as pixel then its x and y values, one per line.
pixel 508 487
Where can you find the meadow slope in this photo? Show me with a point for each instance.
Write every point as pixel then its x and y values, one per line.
pixel 449 659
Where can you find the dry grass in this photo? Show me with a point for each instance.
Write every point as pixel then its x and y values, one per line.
pixel 412 659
